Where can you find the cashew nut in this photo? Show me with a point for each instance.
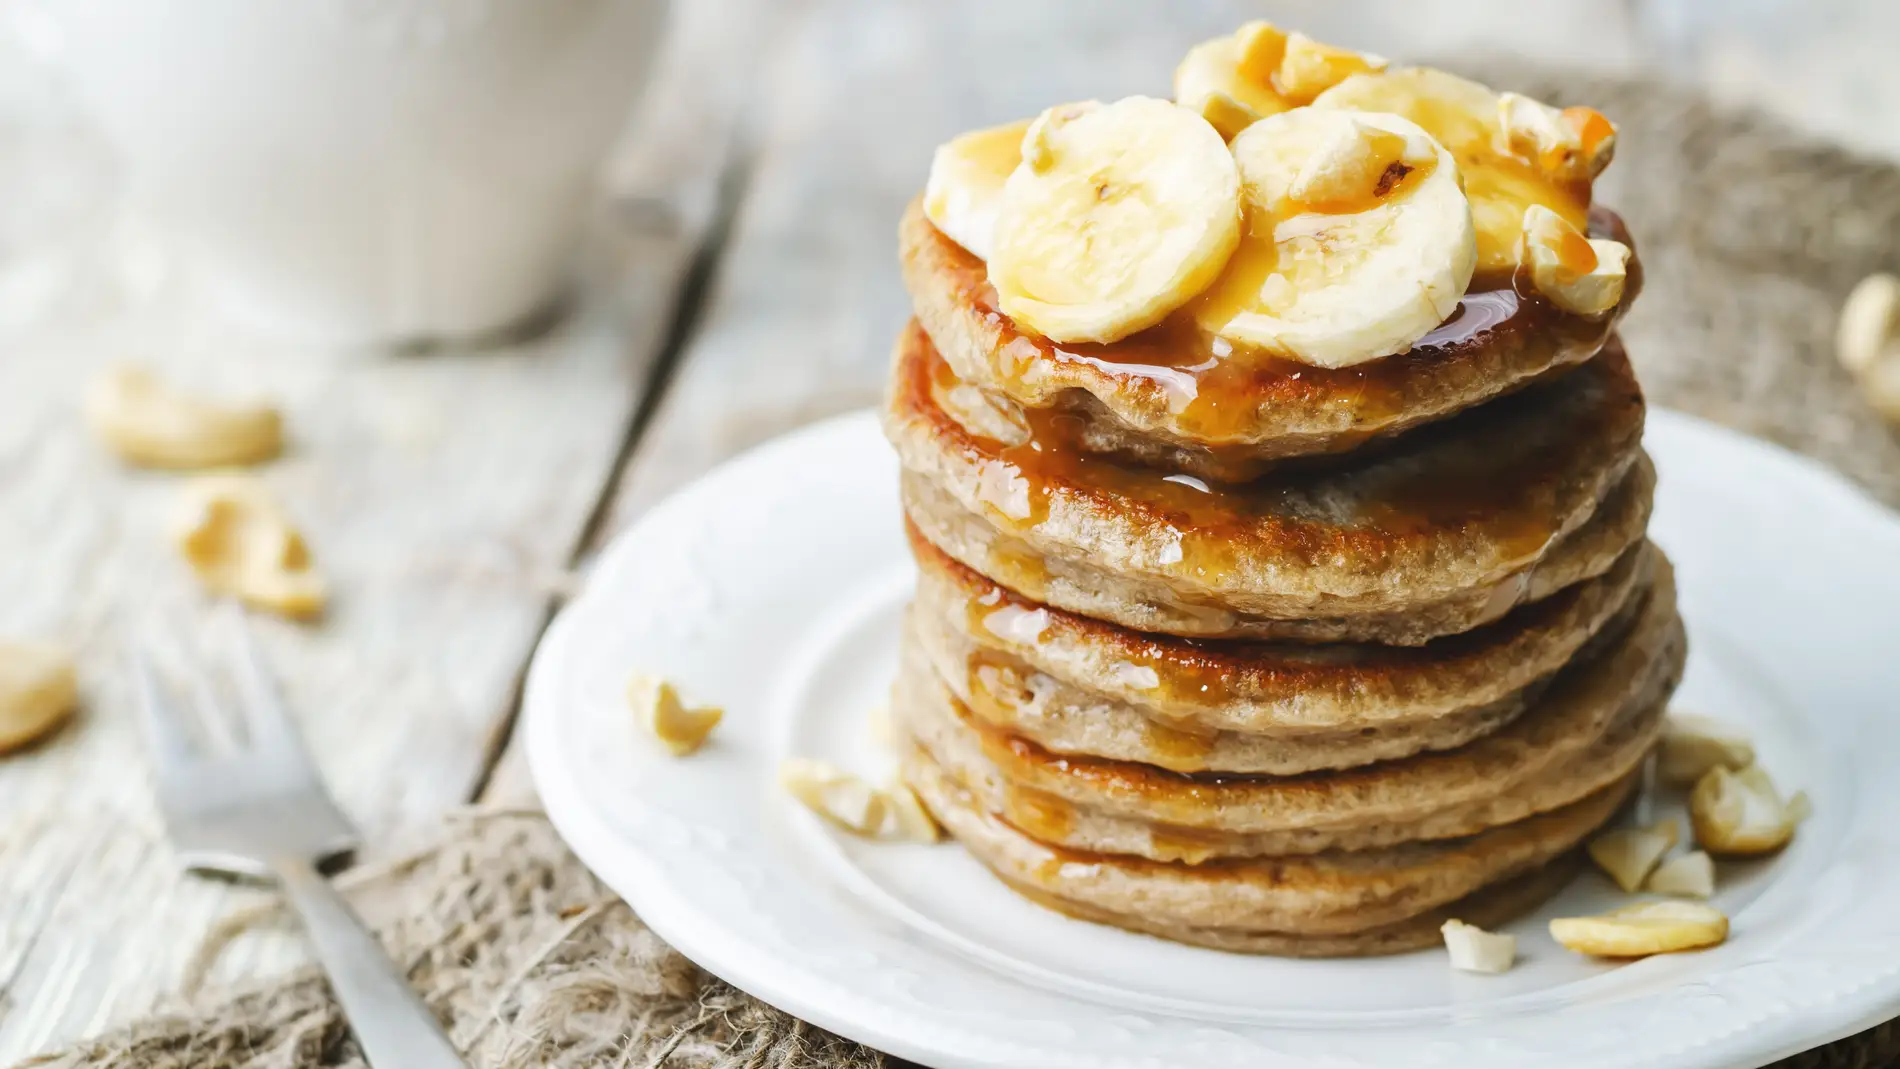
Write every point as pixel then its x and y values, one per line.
pixel 1867 341
pixel 39 689
pixel 834 794
pixel 1691 874
pixel 1643 929
pixel 1692 744
pixel 679 728
pixel 242 545
pixel 1472 949
pixel 1739 813
pixel 148 423
pixel 1628 854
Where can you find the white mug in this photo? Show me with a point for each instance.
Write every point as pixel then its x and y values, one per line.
pixel 363 171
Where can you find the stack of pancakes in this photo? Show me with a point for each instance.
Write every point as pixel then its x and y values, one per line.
pixel 1271 657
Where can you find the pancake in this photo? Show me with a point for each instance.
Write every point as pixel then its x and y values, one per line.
pixel 1151 604
pixel 1490 907
pixel 1010 695
pixel 1595 722
pixel 1175 396
pixel 1448 526
pixel 1059 822
pixel 1252 687
pixel 1331 894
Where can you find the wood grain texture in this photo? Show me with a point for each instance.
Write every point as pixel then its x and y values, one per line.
pixel 444 495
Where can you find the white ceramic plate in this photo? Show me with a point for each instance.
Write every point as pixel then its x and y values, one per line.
pixel 773 587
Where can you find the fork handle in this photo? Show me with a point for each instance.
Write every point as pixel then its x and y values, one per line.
pixel 394 1027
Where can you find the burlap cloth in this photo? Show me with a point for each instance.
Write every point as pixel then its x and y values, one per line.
pixel 1750 235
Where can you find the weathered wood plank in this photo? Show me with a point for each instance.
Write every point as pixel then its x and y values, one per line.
pixel 443 494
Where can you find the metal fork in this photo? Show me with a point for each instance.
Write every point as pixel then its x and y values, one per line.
pixel 261 811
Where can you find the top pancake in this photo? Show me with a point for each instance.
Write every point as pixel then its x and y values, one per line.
pixel 1173 395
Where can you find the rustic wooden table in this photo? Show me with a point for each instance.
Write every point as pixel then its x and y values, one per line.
pixel 746 284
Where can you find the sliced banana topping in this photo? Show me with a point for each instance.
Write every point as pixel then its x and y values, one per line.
pixel 39 688
pixel 1347 166
pixel 1578 274
pixel 1628 854
pixel 1464 116
pixel 965 188
pixel 1309 68
pixel 1119 214
pixel 1229 80
pixel 1692 744
pixel 1570 143
pixel 240 543
pixel 1261 70
pixel 1472 949
pixel 148 423
pixel 1374 264
pixel 1691 874
pixel 680 728
pixel 1643 929
pixel 1739 813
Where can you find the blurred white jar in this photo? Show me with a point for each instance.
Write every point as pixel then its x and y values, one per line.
pixel 362 171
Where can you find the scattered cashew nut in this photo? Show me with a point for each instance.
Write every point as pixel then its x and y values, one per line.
pixel 1472 949
pixel 242 545
pixel 1867 341
pixel 1739 813
pixel 1643 929
pixel 1692 744
pixel 681 729
pixel 1628 854
pixel 150 424
pixel 848 802
pixel 1691 874
pixel 39 689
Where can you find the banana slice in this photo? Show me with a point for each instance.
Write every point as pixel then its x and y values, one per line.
pixel 1229 80
pixel 1119 214
pixel 1261 70
pixel 1358 239
pixel 1464 117
pixel 965 187
pixel 1309 68
pixel 1643 929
